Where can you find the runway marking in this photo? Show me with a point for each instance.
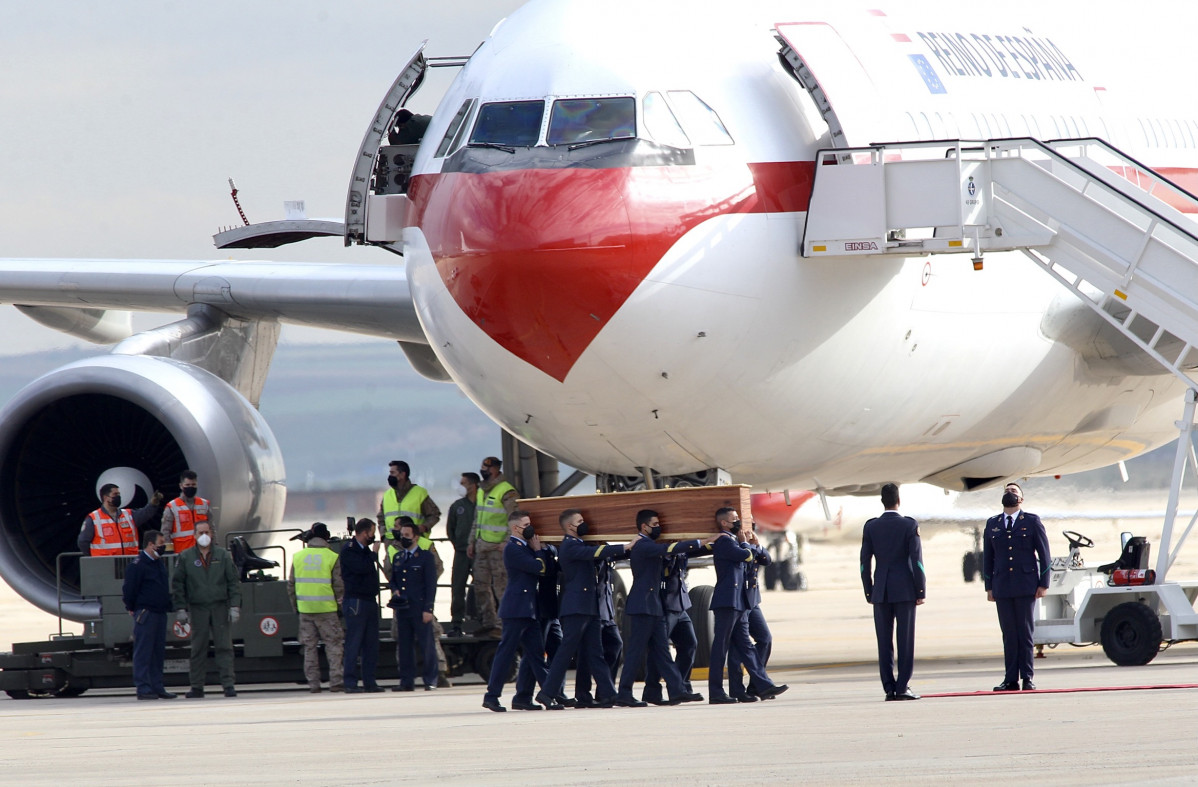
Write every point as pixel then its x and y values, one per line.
pixel 1063 691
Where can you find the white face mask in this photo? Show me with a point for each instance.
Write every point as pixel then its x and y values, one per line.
pixel 203 539
pixel 461 490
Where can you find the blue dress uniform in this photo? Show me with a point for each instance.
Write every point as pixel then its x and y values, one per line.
pixel 647 629
pixel 414 584
pixel 551 629
pixel 611 643
pixel 676 601
pixel 729 603
pixel 1015 562
pixel 360 573
pixel 147 596
pixel 521 629
pixel 579 615
pixel 892 541
pixel 759 630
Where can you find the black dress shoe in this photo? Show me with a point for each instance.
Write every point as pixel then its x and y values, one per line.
pixel 147 696
pixel 564 701
pixel 906 694
pixel 606 702
pixel 1007 686
pixel 494 705
pixel 694 696
pixel 195 694
pixel 403 688
pixel 544 699
pixel 353 689
pixel 722 701
pixel 1027 686
pixel 629 702
pixel 522 705
pixel 166 695
pixel 890 696
pixel 232 692
pixel 374 689
pixel 772 691
pixel 745 697
pixel 428 687
pixel 583 704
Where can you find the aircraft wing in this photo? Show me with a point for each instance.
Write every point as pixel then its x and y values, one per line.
pixel 372 300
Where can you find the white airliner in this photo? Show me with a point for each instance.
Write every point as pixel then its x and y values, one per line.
pixel 603 247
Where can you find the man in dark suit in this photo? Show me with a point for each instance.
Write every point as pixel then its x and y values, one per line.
pixel 413 594
pixel 360 574
pixel 759 630
pixel 147 597
pixel 647 622
pixel 524 561
pixel 1016 567
pixel 579 611
pixel 729 604
pixel 676 600
pixel 898 585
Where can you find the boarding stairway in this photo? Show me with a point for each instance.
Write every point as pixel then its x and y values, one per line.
pixel 1099 222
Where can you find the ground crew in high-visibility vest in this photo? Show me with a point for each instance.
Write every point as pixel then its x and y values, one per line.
pixel 405 499
pixel 317 592
pixel 206 593
pixel 112 530
pixel 495 500
pixel 181 514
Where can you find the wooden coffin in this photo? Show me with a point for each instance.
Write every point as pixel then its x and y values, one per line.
pixel 687 512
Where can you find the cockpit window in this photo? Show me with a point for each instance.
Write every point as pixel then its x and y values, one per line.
pixel 576 120
pixel 455 125
pixel 516 123
pixel 661 124
pixel 701 122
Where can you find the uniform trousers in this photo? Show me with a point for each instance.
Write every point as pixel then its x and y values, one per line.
pixel 361 641
pixel 612 646
pixel 731 626
pixel 518 634
pixel 149 651
pixel 1017 621
pixel 317 627
pixel 893 619
pixel 763 642
pixel 581 636
pixel 682 634
pixel 551 635
pixel 460 576
pixel 649 637
pixel 414 635
pixel 211 621
pixel 490 580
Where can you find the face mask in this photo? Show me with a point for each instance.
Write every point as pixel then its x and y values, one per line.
pixel 369 540
pixel 189 492
pixel 116 502
pixel 528 532
pixel 460 491
pixel 1010 500
pixel 655 532
pixel 582 530
pixel 734 526
pixel 392 481
pixel 485 473
pixel 203 539
pixel 405 542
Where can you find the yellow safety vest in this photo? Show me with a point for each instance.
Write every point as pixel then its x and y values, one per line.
pixel 312 568
pixel 490 517
pixel 411 505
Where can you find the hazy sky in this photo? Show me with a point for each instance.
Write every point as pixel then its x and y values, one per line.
pixel 120 122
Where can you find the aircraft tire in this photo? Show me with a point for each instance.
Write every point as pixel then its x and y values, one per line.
pixel 789 575
pixel 771 576
pixel 1131 634
pixel 703 621
pixel 969 566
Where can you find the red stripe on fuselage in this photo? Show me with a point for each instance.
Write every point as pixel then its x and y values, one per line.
pixel 541 259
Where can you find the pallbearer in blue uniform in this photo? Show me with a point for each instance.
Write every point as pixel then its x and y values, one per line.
pixel 147 596
pixel 675 600
pixel 413 595
pixel 647 622
pixel 551 632
pixel 729 604
pixel 525 564
pixel 579 613
pixel 610 640
pixel 895 588
pixel 759 630
pixel 1016 567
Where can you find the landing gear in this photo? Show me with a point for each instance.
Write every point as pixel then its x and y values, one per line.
pixel 971 563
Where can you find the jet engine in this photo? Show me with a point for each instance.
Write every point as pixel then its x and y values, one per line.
pixel 136 421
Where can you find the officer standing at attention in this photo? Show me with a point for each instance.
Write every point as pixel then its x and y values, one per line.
pixel 1016 567
pixel 413 594
pixel 181 515
pixel 148 598
pixel 579 612
pixel 360 573
pixel 729 603
pixel 897 586
pixel 647 632
pixel 317 592
pixel 495 501
pixel 207 592
pixel 525 563
pixel 675 600
pixel 759 630
pixel 112 530
pixel 460 529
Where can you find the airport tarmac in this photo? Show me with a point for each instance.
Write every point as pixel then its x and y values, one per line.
pixel 831 726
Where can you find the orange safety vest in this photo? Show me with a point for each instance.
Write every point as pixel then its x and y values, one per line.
pixel 113 538
pixel 183 534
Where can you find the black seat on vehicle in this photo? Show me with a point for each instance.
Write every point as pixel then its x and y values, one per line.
pixel 246 561
pixel 1135 555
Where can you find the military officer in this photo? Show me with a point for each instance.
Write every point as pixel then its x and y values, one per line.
pixel 1016 566
pixel 729 604
pixel 611 643
pixel 147 597
pixel 897 586
pixel 413 594
pixel 317 593
pixel 647 623
pixel 459 528
pixel 206 591
pixel 494 503
pixel 524 562
pixel 676 601
pixel 551 631
pixel 759 630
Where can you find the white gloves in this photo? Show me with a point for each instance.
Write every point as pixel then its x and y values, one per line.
pixel 234 614
pixel 182 616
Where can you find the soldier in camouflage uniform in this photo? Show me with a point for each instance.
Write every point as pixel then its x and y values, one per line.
pixel 321 591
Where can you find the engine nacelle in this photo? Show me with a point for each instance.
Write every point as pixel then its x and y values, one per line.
pixel 141 420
